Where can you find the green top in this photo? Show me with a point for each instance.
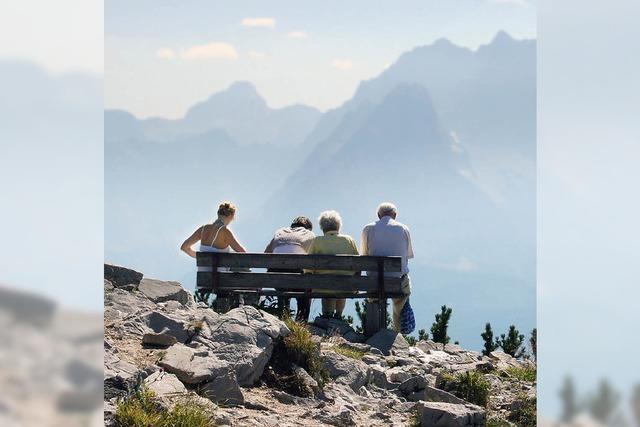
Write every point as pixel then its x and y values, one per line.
pixel 333 243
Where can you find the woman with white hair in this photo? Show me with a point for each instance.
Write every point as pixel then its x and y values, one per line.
pixel 332 243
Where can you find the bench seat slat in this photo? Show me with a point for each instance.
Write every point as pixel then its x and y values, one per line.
pixel 294 294
pixel 296 261
pixel 284 281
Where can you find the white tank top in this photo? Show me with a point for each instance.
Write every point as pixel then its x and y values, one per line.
pixel 211 248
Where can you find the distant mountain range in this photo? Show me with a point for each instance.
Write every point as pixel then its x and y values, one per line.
pixel 447 133
pixel 239 111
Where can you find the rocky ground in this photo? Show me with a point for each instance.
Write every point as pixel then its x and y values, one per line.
pixel 157 337
pixel 50 363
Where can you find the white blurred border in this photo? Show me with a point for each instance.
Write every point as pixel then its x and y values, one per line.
pixel 588 205
pixel 588 177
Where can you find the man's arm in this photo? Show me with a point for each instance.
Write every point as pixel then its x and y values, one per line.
pixel 409 245
pixel 363 242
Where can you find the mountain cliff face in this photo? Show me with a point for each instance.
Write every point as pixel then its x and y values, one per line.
pixel 243 367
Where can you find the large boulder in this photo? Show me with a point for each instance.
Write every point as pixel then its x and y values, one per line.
pixel 332 326
pixel 502 361
pixel 192 366
pixel 224 389
pixel 121 276
pixel 439 414
pixel 244 338
pixel 164 328
pixel 433 394
pixel 346 370
pixel 413 384
pixel 160 291
pixel 241 340
pixel 165 385
pixel 120 305
pixel 158 339
pixel 387 341
pixel 427 346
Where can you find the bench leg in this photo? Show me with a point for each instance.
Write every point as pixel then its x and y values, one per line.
pixel 372 320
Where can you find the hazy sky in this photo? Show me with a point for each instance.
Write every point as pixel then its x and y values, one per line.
pixel 61 35
pixel 163 56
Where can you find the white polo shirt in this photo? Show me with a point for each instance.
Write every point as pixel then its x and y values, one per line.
pixel 388 237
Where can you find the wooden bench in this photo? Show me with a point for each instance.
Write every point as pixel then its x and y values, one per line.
pixel 236 281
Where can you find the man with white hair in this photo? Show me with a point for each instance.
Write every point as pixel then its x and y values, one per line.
pixel 388 237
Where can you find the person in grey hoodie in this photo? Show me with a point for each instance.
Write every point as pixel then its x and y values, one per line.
pixel 295 239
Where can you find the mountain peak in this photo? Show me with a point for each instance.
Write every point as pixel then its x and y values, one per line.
pixel 502 38
pixel 240 94
pixel 443 42
pixel 242 86
pixel 240 90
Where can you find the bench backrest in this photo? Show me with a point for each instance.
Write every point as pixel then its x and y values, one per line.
pixel 371 285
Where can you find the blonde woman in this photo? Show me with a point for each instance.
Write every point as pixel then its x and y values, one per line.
pixel 215 237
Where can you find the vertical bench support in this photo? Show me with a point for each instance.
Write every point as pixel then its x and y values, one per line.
pixel 222 303
pixel 376 319
pixel 382 296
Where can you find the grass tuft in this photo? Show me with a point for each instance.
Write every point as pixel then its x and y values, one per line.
pixel 349 352
pixel 141 410
pixel 470 386
pixel 189 414
pixel 528 374
pixel 498 422
pixel 304 352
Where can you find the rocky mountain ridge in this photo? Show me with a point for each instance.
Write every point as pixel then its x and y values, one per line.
pixel 158 338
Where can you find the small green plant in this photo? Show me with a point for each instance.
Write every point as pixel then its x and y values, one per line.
pixel 411 340
pixel 525 415
pixel 489 343
pixel 511 343
pixel 189 414
pixel 303 351
pixel 528 373
pixel 349 352
pixel 141 410
pixel 440 326
pixel 470 386
pixel 422 336
pixel 498 422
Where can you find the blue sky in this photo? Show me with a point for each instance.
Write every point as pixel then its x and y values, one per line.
pixel 163 56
